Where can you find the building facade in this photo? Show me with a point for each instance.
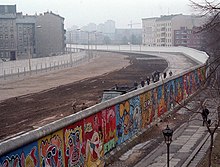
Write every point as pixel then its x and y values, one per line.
pixel 8 33
pixel 26 45
pixel 161 31
pixel 50 34
pixel 26 36
pixel 187 37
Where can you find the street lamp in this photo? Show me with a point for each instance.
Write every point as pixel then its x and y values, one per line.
pixel 168 133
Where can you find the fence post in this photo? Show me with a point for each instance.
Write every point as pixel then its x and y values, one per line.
pixel 18 72
pixel 24 71
pixel 4 75
pixel 12 73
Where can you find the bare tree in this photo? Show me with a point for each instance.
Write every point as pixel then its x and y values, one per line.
pixel 210 30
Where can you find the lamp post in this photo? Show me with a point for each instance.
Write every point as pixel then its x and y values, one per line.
pixel 168 133
pixel 87 39
pixel 29 49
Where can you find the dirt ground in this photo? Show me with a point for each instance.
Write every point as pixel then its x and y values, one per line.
pixel 60 89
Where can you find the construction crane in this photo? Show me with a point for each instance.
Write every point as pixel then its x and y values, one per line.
pixel 131 32
pixel 131 24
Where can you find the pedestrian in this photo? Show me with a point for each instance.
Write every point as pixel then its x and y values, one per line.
pixel 170 73
pixel 153 77
pixel 148 80
pixel 142 83
pixel 205 113
pixel 116 87
pixel 164 75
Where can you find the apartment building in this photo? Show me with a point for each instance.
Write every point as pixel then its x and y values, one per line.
pixel 27 36
pixel 26 45
pixel 50 34
pixel 160 31
pixel 8 33
pixel 188 37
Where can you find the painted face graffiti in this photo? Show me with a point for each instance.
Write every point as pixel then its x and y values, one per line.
pixel 51 152
pixel 73 146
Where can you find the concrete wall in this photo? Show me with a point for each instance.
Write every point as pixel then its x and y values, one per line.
pixel 82 139
pixel 23 67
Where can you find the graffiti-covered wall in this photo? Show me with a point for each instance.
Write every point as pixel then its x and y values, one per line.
pixel 84 142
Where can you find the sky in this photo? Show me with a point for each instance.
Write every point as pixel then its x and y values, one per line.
pixel 82 12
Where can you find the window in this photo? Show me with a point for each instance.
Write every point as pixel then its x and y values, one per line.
pixel 6 36
pixel 11 29
pixel 6 29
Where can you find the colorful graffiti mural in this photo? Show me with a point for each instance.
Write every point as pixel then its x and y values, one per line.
pixel 110 138
pixel 84 143
pixel 162 108
pixel 73 148
pixel 24 157
pixel 147 109
pixel 178 90
pixel 123 122
pixel 94 139
pixel 51 150
pixel 128 119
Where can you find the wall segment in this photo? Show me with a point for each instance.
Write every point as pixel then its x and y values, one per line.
pixel 83 138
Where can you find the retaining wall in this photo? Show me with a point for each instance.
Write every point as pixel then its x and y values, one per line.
pixel 83 138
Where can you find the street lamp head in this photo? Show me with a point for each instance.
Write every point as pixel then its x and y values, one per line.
pixel 168 133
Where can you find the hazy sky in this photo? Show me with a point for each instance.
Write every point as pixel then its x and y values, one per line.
pixel 82 12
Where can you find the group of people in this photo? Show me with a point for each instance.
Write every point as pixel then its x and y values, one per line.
pixel 155 77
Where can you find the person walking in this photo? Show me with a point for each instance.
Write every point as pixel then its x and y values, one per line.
pixel 205 113
pixel 142 83
pixel 148 80
pixel 170 73
pixel 164 75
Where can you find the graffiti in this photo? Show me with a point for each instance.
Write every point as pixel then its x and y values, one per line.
pixel 135 115
pixel 85 142
pixel 155 102
pixel 51 150
pixel 108 116
pixel 161 101
pixel 27 156
pixel 179 89
pixel 147 108
pixel 123 122
pixel 94 140
pixel 185 86
pixel 73 136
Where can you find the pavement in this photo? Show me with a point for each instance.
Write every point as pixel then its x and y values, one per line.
pixel 190 141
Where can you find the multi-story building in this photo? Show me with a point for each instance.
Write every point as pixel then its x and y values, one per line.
pixel 188 37
pixel 8 33
pixel 160 31
pixel 50 34
pixel 149 32
pixel 25 36
pixel 26 45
